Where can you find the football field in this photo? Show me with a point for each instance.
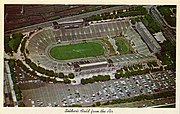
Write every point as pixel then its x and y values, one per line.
pixel 78 50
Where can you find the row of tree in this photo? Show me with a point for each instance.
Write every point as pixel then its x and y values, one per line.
pixel 135 66
pixel 153 63
pixel 46 79
pixel 99 78
pixel 42 70
pixel 163 94
pixel 127 73
pixel 13 76
pixel 139 10
pixel 22 49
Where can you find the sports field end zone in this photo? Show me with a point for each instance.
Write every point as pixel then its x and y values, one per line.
pixel 123 46
pixel 78 50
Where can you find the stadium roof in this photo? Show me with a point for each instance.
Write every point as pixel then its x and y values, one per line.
pixel 146 35
pixel 93 64
pixel 70 22
pixel 149 34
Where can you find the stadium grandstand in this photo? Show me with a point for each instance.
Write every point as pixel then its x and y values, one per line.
pixel 136 42
pixel 41 41
pixel 148 38
pixel 68 24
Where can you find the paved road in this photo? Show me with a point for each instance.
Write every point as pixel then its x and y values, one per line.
pixel 159 106
pixel 71 18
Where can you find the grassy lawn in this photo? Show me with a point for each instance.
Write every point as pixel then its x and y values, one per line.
pixel 123 46
pixel 79 50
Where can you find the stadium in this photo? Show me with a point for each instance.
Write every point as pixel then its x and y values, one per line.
pixel 87 55
pixel 79 47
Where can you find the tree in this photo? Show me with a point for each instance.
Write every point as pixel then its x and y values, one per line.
pixel 67 81
pixel 21 104
pixel 42 78
pixel 23 44
pixel 90 80
pixel 15 41
pixel 71 75
pixel 61 75
pixel 96 78
pixel 93 105
pixel 83 81
pixel 117 76
pixel 47 79
pixel 98 103
pixel 6 44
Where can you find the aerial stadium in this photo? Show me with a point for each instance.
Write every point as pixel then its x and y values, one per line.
pixel 94 56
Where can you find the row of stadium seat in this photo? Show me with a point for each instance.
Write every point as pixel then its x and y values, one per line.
pixel 135 38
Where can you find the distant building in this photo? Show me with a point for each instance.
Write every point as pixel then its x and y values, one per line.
pixel 147 37
pixel 68 24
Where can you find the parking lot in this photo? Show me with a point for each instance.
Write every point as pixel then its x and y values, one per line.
pixel 66 95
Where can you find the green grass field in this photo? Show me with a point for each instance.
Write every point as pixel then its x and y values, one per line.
pixel 123 46
pixel 79 50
